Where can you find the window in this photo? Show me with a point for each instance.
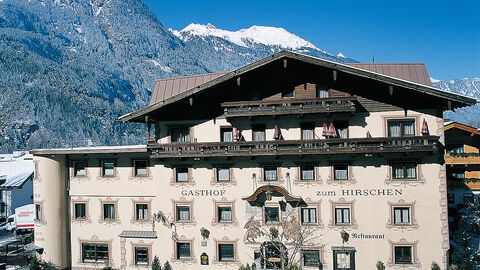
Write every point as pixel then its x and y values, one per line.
pixel 79 168
pixel 342 129
pixel 180 134
pixel 223 174
pixel 451 197
pixel 183 213
pixel 181 174
pixel 322 91
pixel 93 252
pixel 340 171
pixel 311 257
pixel 141 255
pixel 401 128
pixel 401 215
pixel 288 93
pixel 404 170
pixel 140 167
pixel 80 211
pixel 467 198
pixel 141 211
pixel 226 252
pixel 183 250
pixel 307 173
pixel 109 211
pixel 108 168
pixel 270 173
pixel 258 133
pixel 309 216
pixel 224 213
pixel 226 134
pixel 403 254
pixel 342 215
pixel 455 149
pixel 272 215
pixel 308 131
pixel 458 174
pixel 38 212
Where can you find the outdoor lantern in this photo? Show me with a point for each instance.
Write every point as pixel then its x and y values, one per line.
pixel 268 195
pixel 344 236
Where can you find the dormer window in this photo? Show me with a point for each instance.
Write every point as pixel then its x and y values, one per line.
pixel 289 93
pixel 226 134
pixel 258 132
pixel 322 91
pixel 180 134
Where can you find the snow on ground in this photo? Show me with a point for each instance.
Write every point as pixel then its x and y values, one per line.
pixel 271 36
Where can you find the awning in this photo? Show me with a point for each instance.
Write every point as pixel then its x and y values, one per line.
pixel 138 234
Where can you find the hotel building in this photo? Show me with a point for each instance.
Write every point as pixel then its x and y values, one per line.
pixel 288 159
pixel 462 158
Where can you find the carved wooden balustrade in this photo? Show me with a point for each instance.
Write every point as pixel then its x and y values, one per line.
pixel 297 147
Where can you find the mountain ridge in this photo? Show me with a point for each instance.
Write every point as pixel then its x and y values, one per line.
pixel 69 68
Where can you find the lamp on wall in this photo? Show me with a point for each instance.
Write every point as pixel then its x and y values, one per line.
pixel 344 236
pixel 268 194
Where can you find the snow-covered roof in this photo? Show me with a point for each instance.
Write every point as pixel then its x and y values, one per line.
pixel 15 169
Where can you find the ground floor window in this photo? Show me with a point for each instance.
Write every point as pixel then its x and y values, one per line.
pixel 183 250
pixel 311 258
pixel 226 252
pixel 94 252
pixel 141 255
pixel 403 255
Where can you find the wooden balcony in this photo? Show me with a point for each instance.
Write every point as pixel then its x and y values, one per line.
pixel 289 106
pixel 461 160
pixel 425 144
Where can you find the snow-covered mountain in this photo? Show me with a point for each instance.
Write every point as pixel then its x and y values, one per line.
pixel 69 68
pixel 270 36
pixel 468 87
pixel 254 42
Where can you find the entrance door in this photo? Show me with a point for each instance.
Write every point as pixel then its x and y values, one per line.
pixel 344 260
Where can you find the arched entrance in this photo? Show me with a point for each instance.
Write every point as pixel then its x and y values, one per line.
pixel 271 255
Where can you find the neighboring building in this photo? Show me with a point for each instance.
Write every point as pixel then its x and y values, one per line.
pixel 333 148
pixel 16 182
pixel 462 157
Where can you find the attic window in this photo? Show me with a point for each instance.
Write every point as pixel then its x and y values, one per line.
pixel 289 93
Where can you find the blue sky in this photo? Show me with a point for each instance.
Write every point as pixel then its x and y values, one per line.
pixel 445 35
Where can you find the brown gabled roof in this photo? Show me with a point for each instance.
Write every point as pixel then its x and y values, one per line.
pixel 455 100
pixel 462 127
pixel 166 88
pixel 412 72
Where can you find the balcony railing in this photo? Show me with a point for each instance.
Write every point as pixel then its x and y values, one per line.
pixel 461 159
pixel 289 106
pixel 297 147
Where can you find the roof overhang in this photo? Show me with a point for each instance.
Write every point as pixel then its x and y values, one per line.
pixel 469 129
pixel 226 81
